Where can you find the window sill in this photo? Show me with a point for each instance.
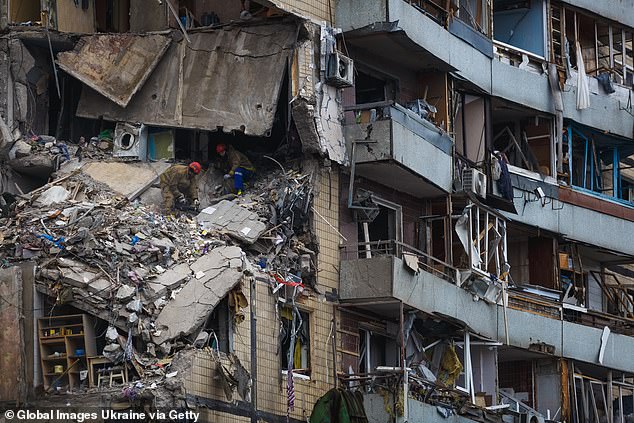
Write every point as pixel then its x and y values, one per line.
pixel 296 375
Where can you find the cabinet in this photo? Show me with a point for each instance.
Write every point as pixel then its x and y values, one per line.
pixel 65 343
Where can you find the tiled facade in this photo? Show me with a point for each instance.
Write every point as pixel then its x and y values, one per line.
pixel 271 395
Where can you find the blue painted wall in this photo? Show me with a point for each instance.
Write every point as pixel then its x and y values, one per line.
pixel 522 28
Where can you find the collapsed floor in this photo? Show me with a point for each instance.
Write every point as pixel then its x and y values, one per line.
pixel 101 246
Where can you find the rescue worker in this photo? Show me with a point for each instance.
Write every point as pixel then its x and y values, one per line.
pixel 178 183
pixel 237 165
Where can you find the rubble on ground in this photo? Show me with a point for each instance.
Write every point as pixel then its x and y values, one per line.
pixel 154 278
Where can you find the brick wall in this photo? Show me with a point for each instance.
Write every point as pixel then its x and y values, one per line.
pixel 271 383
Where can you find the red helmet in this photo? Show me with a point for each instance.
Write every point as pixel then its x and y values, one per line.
pixel 220 148
pixel 195 167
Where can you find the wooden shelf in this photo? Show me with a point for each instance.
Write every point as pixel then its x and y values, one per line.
pixel 66 344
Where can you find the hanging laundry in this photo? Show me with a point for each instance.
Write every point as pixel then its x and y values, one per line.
pixel 504 182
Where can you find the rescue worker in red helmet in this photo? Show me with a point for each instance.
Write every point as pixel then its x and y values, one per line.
pixel 178 184
pixel 236 165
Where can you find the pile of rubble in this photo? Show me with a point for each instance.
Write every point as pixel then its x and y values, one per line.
pixel 137 269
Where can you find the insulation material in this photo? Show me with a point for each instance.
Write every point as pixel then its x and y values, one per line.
pixel 450 366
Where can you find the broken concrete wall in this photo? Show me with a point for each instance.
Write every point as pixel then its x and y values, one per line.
pixel 12 357
pixel 271 387
pixel 6 85
pixel 30 70
pixel 214 276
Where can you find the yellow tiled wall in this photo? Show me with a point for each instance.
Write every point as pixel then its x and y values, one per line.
pixel 271 383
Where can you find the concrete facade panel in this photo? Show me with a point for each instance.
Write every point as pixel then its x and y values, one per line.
pixel 617 10
pixel 410 148
pixel 433 295
pixel 576 223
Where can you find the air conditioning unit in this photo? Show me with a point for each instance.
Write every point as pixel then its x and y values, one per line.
pixel 340 71
pixel 475 181
pixel 130 141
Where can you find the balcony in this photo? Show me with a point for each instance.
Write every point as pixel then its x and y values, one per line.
pixel 415 38
pixel 578 216
pixel 398 31
pixel 400 149
pixel 426 284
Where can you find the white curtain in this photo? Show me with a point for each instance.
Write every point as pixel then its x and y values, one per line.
pixel 583 92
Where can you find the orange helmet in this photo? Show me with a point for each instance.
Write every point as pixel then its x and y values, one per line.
pixel 195 167
pixel 220 148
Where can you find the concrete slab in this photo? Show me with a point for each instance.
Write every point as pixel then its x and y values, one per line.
pixel 184 315
pixel 125 178
pixel 100 287
pixel 77 277
pixel 171 279
pixel 231 218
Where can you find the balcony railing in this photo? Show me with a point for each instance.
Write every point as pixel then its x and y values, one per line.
pixel 398 249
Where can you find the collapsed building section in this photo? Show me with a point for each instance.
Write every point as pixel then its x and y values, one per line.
pixel 155 309
pixel 436 225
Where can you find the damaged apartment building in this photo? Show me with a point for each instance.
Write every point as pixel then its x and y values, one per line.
pixel 438 228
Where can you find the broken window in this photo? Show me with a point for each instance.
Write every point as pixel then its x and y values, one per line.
pixel 381 233
pixel 516 380
pixel 376 350
pixel 606 47
pixel 525 138
pixel 598 162
pixel 590 403
pixel 520 24
pixel 482 235
pixel 220 327
pixel 433 8
pixel 572 279
pixel 295 340
pixel 470 128
pixel 372 87
pixel 21 11
pixel 474 13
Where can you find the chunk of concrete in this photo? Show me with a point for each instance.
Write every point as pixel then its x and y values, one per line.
pixel 100 286
pixel 77 277
pixel 53 195
pixel 231 218
pixel 125 293
pixel 169 279
pixel 125 178
pixel 19 149
pixel 185 314
pixel 162 243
